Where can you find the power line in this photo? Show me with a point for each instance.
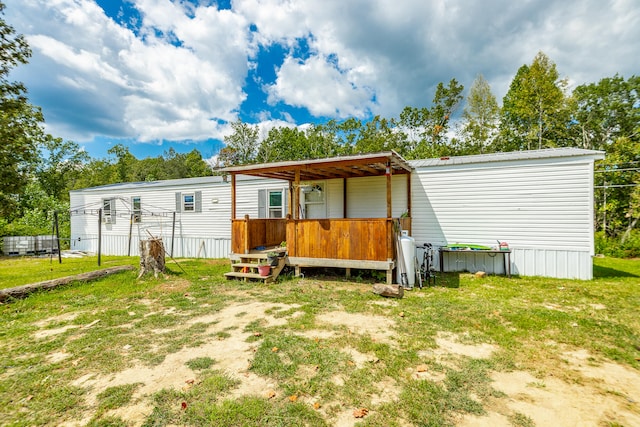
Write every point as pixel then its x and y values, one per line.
pixel 617 170
pixel 616 186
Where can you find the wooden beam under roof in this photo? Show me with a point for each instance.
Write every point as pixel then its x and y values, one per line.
pixel 337 167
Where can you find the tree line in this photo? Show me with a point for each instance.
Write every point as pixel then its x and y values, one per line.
pixel 37 170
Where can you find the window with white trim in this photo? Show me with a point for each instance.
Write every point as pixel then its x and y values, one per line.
pixel 189 202
pixel 136 209
pixel 272 203
pixel 109 211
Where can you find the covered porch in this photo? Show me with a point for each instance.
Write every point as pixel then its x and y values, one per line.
pixel 345 242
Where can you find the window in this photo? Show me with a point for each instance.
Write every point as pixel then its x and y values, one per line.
pixel 136 207
pixel 275 204
pixel 189 202
pixel 109 211
pixel 272 203
pixel 313 194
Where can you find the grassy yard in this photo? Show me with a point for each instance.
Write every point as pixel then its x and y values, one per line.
pixel 16 271
pixel 195 349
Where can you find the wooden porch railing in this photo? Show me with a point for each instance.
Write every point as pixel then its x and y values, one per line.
pixel 365 239
pixel 369 239
pixel 247 234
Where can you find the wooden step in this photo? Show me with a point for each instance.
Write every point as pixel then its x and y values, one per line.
pixel 237 267
pixel 246 275
pixel 248 256
pixel 245 264
pixel 249 276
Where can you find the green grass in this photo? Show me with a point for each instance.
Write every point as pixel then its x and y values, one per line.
pixel 17 271
pixel 52 338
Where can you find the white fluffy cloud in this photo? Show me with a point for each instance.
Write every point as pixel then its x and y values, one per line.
pixel 319 86
pixel 180 69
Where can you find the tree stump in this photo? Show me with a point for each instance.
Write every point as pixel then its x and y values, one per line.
pixel 151 257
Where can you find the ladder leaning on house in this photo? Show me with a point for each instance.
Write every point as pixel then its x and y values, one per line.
pixel 245 267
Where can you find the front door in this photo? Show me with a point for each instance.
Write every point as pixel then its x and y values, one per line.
pixel 315 204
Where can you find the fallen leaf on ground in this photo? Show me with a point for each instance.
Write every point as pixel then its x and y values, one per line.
pixel 184 405
pixel 257 334
pixel 275 349
pixel 293 397
pixel 190 381
pixel 422 368
pixel 360 413
pixel 316 405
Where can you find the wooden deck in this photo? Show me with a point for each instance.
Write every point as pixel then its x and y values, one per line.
pixel 349 243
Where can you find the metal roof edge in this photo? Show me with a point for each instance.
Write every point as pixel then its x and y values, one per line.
pixel 215 179
pixel 548 153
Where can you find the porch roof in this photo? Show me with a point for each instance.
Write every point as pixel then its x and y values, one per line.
pixel 335 167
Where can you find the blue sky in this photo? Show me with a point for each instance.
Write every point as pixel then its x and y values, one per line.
pixel 154 74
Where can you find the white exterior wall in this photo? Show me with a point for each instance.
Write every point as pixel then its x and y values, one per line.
pixel 542 208
pixel 367 197
pixel 205 234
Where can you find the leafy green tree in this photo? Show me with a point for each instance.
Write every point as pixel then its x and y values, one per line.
pixel 60 166
pixel 606 111
pixel 284 144
pixel 322 142
pixel 35 213
pixel 480 118
pixel 20 122
pixel 537 105
pixel 426 128
pixel 607 117
pixel 95 173
pixel 535 112
pixel 241 146
pixel 125 162
pixel 380 134
pixel 195 165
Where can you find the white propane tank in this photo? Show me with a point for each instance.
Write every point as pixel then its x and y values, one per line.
pixel 408 245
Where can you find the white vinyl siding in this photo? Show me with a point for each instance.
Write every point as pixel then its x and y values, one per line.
pixel 367 197
pixel 543 209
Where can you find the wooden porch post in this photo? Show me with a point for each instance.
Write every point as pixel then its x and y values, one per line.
pixel 390 245
pixel 388 173
pixel 233 197
pixel 296 195
pixel 292 247
pixel 246 234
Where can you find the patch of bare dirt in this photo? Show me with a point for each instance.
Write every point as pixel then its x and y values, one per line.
pixel 67 317
pixel 607 396
pixel 602 392
pixel 359 359
pixel 450 349
pixel 174 285
pixel 232 355
pixel 379 328
pixel 45 333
